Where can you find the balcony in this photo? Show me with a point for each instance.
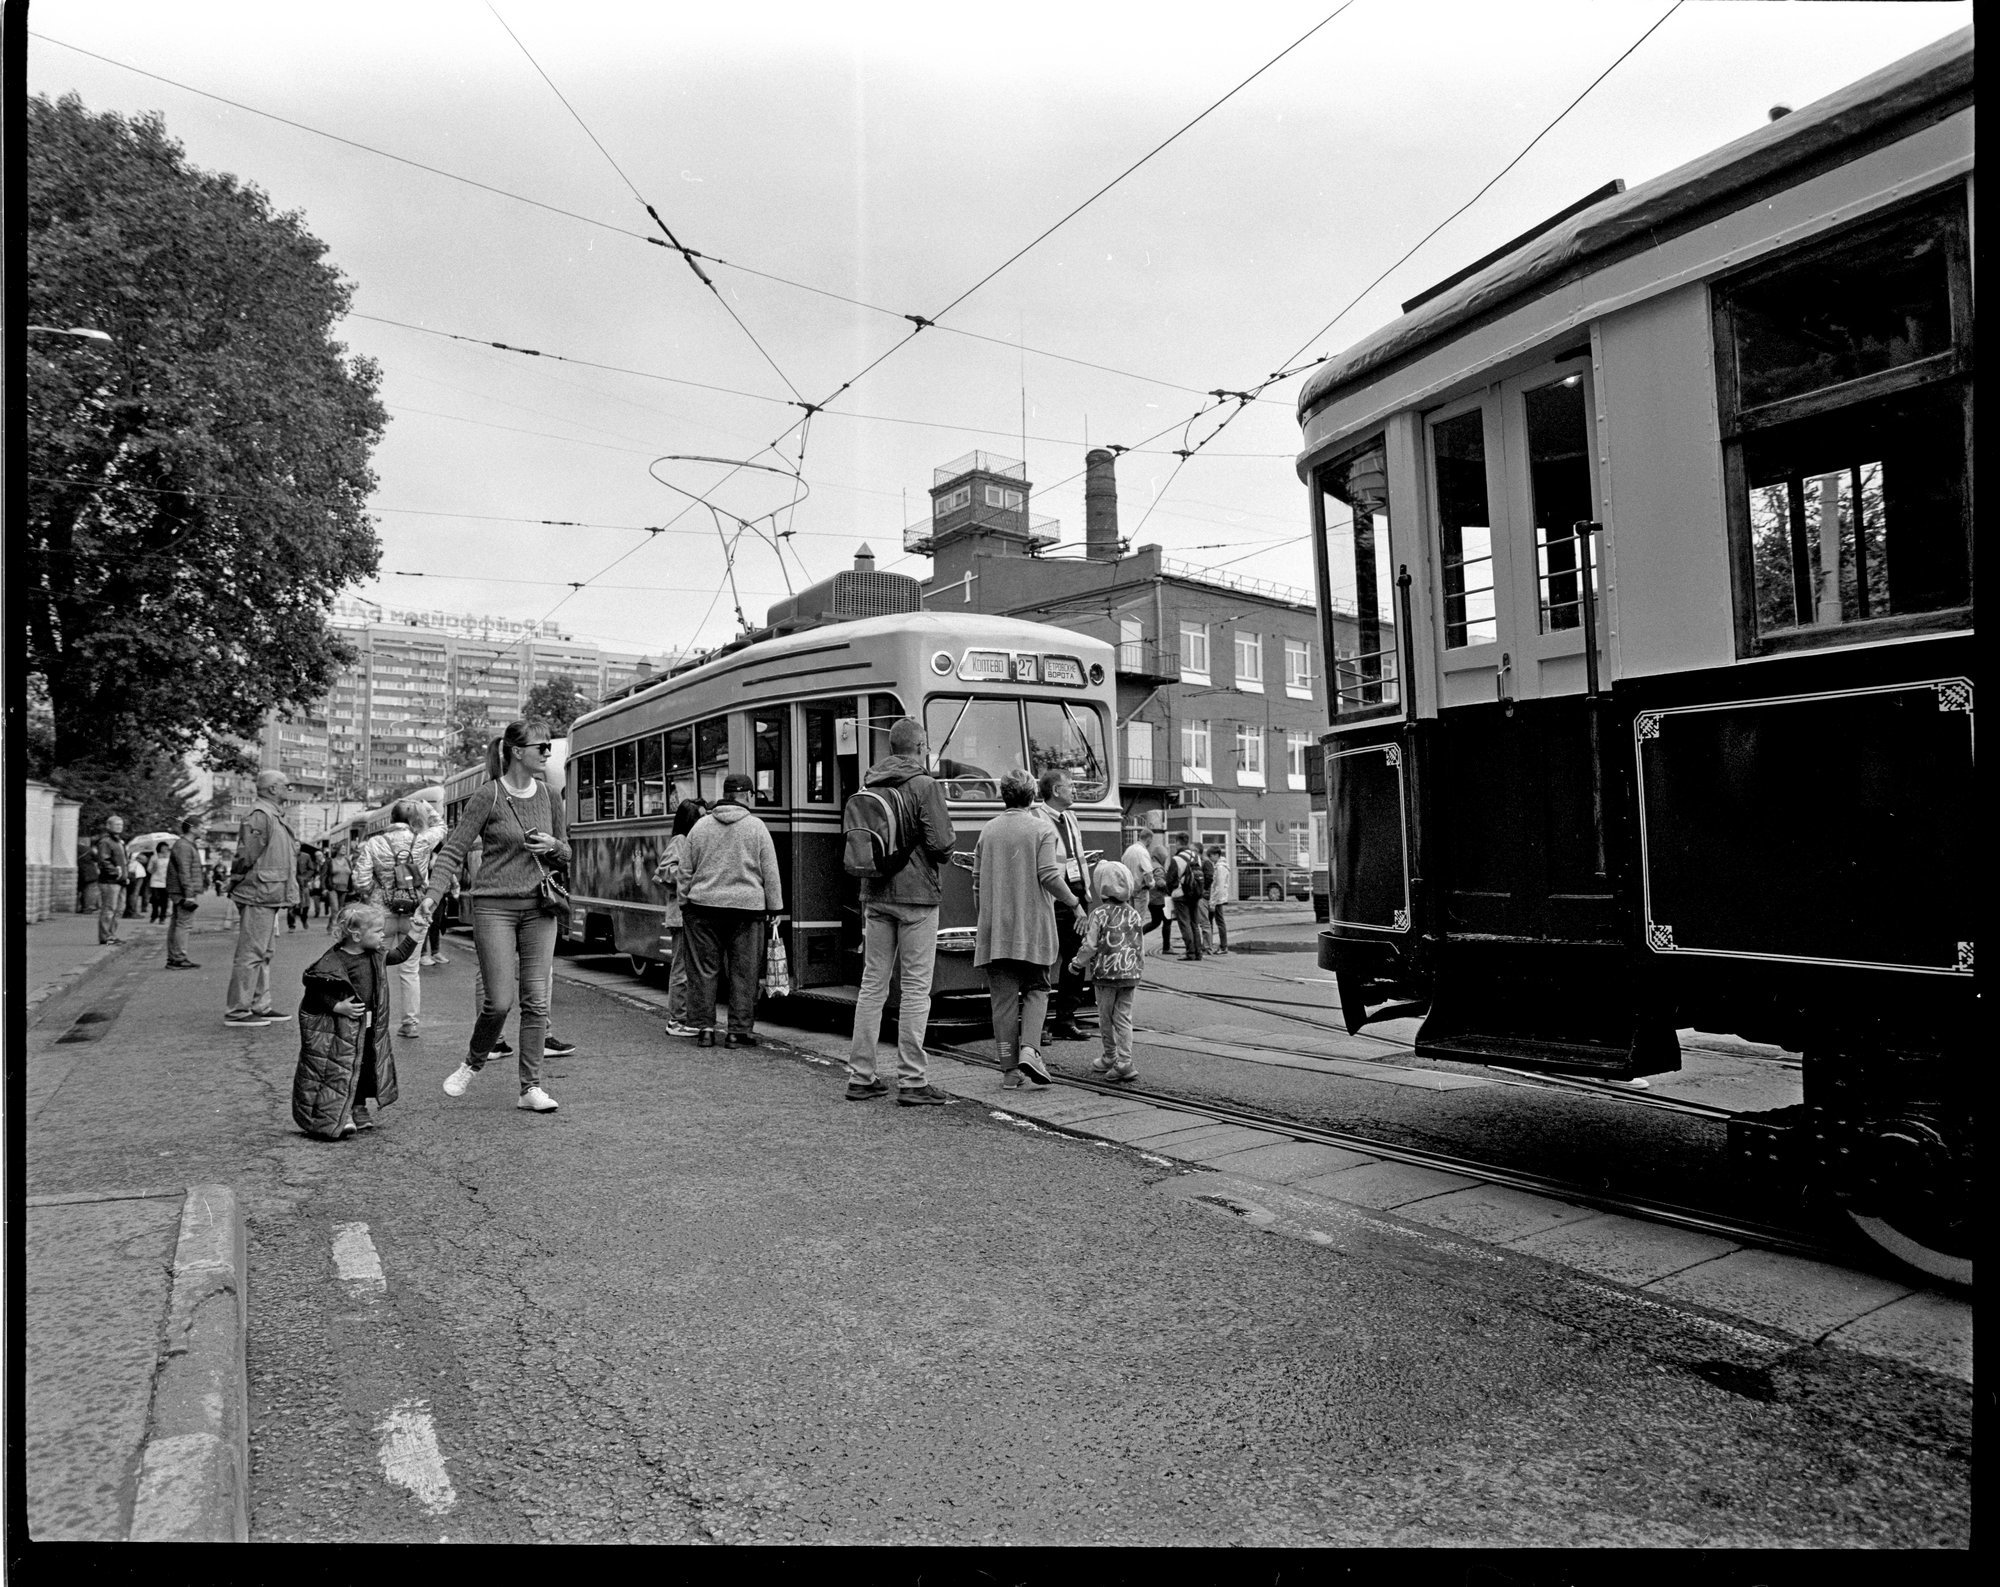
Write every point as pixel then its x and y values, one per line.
pixel 919 538
pixel 1147 661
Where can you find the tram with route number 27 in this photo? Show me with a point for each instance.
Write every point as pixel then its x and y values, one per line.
pixel 805 714
pixel 1645 562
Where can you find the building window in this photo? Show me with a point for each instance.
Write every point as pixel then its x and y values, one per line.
pixel 1249 755
pixel 1294 843
pixel 1250 662
pixel 1845 385
pixel 1194 652
pixel 955 500
pixel 1297 746
pixel 1250 835
pixel 1139 752
pixel 1010 499
pixel 1195 764
pixel 1351 506
pixel 1298 669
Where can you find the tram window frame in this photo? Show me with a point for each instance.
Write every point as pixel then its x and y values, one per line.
pixel 1895 411
pixel 1393 702
pixel 770 750
pixel 679 757
pixel 586 789
pixel 607 793
pixel 652 777
pixel 625 773
pixel 822 769
pixel 711 734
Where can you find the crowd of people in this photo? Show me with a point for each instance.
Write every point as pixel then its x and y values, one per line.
pixel 1052 927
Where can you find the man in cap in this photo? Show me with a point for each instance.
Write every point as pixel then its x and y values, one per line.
pixel 731 887
pixel 265 883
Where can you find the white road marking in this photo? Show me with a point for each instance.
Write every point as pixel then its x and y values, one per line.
pixel 354 1259
pixel 411 1458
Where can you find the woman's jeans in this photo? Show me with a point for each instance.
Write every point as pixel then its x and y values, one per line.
pixel 517 952
pixel 723 948
pixel 1020 994
pixel 677 979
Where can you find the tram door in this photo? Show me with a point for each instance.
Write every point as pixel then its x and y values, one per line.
pixel 1518 812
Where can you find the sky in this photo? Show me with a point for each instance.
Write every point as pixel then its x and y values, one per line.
pixel 894 155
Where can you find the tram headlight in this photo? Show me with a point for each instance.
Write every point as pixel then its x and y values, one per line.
pixel 1096 672
pixel 941 663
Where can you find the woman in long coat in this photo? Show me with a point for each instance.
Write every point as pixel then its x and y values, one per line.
pixel 1017 876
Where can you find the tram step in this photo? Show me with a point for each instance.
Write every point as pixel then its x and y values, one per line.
pixel 1606 1061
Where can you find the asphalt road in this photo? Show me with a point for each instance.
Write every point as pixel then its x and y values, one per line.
pixel 710 1301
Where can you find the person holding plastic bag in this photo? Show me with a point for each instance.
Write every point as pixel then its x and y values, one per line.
pixel 733 888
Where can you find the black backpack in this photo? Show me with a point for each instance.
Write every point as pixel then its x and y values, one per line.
pixel 872 826
pixel 1190 879
pixel 406 889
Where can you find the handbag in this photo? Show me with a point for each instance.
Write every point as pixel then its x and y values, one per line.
pixel 551 897
pixel 777 968
pixel 188 905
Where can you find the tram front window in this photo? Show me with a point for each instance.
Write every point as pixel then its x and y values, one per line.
pixel 1066 737
pixel 973 743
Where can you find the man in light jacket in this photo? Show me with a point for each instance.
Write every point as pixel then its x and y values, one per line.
pixel 733 886
pixel 265 883
pixel 899 916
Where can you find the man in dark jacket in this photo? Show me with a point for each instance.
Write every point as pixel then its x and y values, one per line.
pixel 184 878
pixel 1055 794
pixel 107 858
pixel 899 924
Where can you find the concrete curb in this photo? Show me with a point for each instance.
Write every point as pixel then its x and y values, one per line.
pixel 194 1466
pixel 71 976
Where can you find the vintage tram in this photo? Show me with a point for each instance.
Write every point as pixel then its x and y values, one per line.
pixel 1645 562
pixel 805 713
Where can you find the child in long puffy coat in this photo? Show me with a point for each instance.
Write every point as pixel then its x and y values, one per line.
pixel 1114 955
pixel 347 1057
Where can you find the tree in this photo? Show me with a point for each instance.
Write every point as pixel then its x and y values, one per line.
pixel 468 730
pixel 154 792
pixel 557 701
pixel 194 489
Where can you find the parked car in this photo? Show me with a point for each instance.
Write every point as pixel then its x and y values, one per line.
pixel 1275 882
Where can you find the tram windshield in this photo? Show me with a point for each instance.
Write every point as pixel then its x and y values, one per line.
pixel 975 742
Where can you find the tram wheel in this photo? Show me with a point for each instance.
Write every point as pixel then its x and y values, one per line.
pixel 1911 1249
pixel 1912 1198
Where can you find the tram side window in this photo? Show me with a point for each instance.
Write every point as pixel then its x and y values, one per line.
pixel 586 789
pixel 1465 530
pixel 711 748
pixel 680 765
pixel 607 788
pixel 821 781
pixel 1353 507
pixel 884 712
pixel 1845 388
pixel 626 773
pixel 767 749
pixel 652 777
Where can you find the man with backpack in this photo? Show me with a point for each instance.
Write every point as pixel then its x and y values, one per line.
pixel 895 832
pixel 1187 886
pixel 393 870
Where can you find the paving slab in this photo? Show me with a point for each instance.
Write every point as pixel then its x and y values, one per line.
pixel 1624 1250
pixel 1060 1105
pixel 1232 1138
pixel 1139 1127
pixel 1925 1329
pixel 1794 1293
pixel 100 1274
pixel 1382 1071
pixel 1384 1185
pixel 1287 1162
pixel 1171 1144
pixel 1498 1213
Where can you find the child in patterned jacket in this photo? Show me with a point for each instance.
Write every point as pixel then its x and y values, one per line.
pixel 1114 955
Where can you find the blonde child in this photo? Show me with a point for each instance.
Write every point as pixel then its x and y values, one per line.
pixel 346 1055
pixel 1114 953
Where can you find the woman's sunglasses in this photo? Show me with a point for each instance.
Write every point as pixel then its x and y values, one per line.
pixel 543 747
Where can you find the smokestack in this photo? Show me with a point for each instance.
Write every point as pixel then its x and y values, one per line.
pixel 864 560
pixel 1100 506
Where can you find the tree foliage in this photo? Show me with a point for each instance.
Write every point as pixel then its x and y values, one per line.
pixel 194 490
pixel 557 701
pixel 468 729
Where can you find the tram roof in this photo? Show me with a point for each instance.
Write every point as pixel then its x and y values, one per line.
pixel 1816 137
pixel 916 625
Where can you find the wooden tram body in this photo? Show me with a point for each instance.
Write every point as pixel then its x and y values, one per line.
pixel 1645 564
pixel 805 714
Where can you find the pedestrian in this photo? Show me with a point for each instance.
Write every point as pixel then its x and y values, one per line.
pixel 1162 906
pixel 518 823
pixel 899 919
pixel 1017 879
pixel 1184 887
pixel 306 868
pixel 108 859
pixel 346 1056
pixel 393 871
pixel 135 884
pixel 1114 953
pixel 156 883
pixel 1138 862
pixel 1056 795
pixel 733 887
pixel 265 882
pixel 339 878
pixel 671 874
pixel 184 879
pixel 1221 882
pixel 218 873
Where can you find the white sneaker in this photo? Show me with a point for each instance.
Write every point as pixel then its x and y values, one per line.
pixel 456 1082
pixel 676 1028
pixel 536 1100
pixel 1037 1070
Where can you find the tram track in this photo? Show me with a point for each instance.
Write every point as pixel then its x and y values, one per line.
pixel 1740 1231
